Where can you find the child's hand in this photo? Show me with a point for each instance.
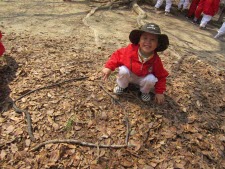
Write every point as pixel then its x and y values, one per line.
pixel 106 72
pixel 159 98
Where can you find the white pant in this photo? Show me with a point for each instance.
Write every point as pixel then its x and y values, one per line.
pixel 168 4
pixel 205 20
pixel 185 4
pixel 125 76
pixel 221 31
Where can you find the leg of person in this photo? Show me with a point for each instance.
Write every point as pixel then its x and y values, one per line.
pixel 158 4
pixel 221 31
pixel 186 4
pixel 146 84
pixel 168 6
pixel 192 8
pixel 199 9
pixel 205 20
pixel 180 4
pixel 122 80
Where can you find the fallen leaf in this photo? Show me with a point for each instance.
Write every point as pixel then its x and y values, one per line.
pixel 55 155
pixel 27 142
pixel 3 154
pixel 126 163
pixel 10 129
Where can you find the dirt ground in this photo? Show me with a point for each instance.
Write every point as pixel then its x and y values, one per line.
pixel 48 42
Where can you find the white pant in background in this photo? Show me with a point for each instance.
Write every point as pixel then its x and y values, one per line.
pixel 168 4
pixel 205 20
pixel 125 76
pixel 185 4
pixel 221 31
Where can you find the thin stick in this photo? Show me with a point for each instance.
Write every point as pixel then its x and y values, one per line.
pixel 28 119
pixel 111 96
pixel 70 141
pixel 49 86
pixel 128 130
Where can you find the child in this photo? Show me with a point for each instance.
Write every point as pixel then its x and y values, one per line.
pixel 183 5
pixel 221 33
pixel 140 64
pixel 2 49
pixel 168 5
pixel 192 9
pixel 209 9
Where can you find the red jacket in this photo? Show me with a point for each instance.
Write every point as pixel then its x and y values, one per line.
pixel 128 57
pixel 210 7
pixel 2 49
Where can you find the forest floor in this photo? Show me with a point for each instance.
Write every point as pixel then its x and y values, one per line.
pixel 48 42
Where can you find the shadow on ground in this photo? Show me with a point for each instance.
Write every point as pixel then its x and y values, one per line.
pixel 8 70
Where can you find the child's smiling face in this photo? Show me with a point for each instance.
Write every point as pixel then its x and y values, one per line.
pixel 148 43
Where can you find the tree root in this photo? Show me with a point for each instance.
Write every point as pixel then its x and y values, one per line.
pixel 70 141
pixel 109 5
pixel 141 14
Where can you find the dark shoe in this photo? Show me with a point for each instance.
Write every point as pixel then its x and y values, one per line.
pixel 145 97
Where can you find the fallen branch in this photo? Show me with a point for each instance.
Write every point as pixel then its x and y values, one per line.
pixel 70 141
pixel 128 129
pixel 28 119
pixel 49 86
pixel 27 114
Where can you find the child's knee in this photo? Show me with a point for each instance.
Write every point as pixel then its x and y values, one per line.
pixel 123 70
pixel 150 79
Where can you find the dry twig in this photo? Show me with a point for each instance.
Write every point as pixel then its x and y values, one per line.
pixel 128 129
pixel 70 141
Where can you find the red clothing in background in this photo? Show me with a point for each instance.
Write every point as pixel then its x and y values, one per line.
pixel 128 57
pixel 208 7
pixel 192 8
pixel 2 49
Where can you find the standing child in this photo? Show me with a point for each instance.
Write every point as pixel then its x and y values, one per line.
pixel 2 49
pixel 209 9
pixel 140 64
pixel 167 8
pixel 221 33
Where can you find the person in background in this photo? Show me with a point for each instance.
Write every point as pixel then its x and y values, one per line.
pixel 140 64
pixel 221 33
pixel 183 6
pixel 2 48
pixel 167 8
pixel 192 9
pixel 209 8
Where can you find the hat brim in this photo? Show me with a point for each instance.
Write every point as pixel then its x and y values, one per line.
pixel 163 40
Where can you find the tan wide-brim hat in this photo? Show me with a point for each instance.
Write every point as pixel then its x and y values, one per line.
pixel 163 40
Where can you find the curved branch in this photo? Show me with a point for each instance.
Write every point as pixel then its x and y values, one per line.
pixel 141 14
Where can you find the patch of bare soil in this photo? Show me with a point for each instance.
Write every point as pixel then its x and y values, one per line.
pixel 54 43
